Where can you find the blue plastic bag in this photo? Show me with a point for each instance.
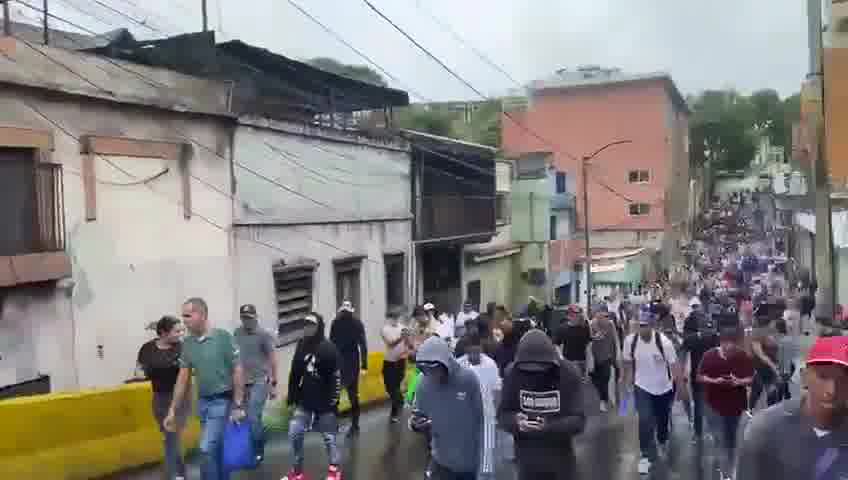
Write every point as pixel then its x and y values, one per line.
pixel 238 448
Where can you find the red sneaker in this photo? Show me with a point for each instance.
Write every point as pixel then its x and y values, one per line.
pixel 294 475
pixel 334 473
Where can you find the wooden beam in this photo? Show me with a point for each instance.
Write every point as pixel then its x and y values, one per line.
pixel 20 137
pixel 89 186
pixel 33 267
pixel 132 147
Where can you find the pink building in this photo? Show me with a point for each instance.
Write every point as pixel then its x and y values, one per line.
pixel 639 193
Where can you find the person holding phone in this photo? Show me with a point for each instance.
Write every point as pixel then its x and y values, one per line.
pixel 542 406
pixel 726 372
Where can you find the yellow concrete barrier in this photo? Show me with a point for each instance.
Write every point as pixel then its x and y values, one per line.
pixel 83 435
pixel 371 387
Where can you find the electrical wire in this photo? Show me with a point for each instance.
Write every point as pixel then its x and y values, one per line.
pixel 344 42
pixel 142 23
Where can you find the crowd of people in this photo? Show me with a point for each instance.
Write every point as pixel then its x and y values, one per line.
pixel 719 334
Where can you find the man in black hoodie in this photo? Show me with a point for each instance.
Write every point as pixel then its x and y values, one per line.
pixel 314 389
pixel 348 335
pixel 699 336
pixel 542 406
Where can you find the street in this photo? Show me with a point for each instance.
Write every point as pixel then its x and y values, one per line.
pixel 607 450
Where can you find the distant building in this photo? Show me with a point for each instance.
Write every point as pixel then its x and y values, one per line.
pixel 638 192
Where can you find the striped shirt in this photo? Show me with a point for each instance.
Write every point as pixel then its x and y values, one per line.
pixel 489 378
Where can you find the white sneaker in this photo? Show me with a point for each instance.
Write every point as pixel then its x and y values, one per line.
pixel 662 450
pixel 644 466
pixel 604 407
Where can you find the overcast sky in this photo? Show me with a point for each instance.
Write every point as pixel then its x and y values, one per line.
pixel 746 44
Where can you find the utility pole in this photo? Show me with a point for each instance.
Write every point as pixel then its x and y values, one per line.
pixel 587 264
pixel 825 279
pixel 586 227
pixel 46 25
pixel 7 19
pixel 205 15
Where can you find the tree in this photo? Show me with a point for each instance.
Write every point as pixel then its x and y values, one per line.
pixel 722 128
pixel 362 73
pixel 427 121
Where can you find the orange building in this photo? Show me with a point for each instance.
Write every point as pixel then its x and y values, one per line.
pixel 638 192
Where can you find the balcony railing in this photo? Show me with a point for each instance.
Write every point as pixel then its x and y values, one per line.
pixel 447 216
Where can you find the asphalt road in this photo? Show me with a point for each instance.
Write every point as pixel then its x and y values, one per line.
pixel 608 450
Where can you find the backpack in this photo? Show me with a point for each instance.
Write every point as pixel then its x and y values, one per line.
pixel 659 344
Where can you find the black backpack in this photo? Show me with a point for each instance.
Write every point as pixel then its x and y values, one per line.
pixel 659 344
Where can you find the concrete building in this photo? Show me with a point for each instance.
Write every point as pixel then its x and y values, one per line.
pixel 116 182
pixel 344 229
pixel 490 268
pixel 640 190
pixel 563 249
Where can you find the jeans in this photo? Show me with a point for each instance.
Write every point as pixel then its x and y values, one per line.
pixel 526 474
pixel 725 430
pixel 698 410
pixel 393 373
pixel 174 464
pixel 257 395
pixel 601 379
pixel 214 413
pixel 764 379
pixel 353 396
pixel 442 473
pixel 303 421
pixel 654 413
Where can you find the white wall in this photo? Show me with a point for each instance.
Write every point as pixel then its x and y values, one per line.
pixel 141 258
pixel 328 175
pixel 254 278
pixel 360 205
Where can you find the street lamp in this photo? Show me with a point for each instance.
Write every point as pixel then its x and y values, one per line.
pixel 588 263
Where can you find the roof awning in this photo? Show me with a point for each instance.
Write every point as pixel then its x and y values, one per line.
pixel 612 267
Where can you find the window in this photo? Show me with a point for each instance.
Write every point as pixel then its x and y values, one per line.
pixel 502 208
pixel 553 226
pixel 347 280
pixel 638 176
pixel 32 213
pixel 560 182
pixel 639 209
pixel 293 287
pixel 395 281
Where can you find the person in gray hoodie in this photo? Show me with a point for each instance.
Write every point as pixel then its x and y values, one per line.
pixel 449 405
pixel 543 406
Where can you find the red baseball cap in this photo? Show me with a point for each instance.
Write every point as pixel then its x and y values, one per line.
pixel 829 350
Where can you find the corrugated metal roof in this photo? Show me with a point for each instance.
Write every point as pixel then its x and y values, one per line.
pixel 77 73
pixel 63 39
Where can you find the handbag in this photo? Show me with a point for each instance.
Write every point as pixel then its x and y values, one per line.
pixel 238 448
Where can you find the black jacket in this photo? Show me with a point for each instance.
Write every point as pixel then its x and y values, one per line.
pixel 505 352
pixel 314 380
pixel 554 394
pixel 699 336
pixel 348 335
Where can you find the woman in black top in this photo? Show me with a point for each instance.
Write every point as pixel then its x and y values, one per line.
pixel 158 359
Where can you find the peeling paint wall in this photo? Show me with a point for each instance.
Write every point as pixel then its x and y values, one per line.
pixel 255 282
pixel 140 258
pixel 346 197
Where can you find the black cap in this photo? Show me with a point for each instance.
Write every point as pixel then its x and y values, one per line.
pixel 247 311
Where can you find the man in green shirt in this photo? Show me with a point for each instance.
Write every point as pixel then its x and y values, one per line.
pixel 212 356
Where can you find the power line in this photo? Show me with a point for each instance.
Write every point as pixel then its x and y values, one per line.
pixel 79 9
pixel 365 57
pixel 205 219
pixel 143 23
pixel 482 56
pixel 468 84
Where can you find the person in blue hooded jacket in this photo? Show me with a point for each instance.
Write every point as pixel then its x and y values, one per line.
pixel 449 404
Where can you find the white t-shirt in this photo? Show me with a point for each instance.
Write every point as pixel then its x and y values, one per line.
pixel 652 373
pixel 393 333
